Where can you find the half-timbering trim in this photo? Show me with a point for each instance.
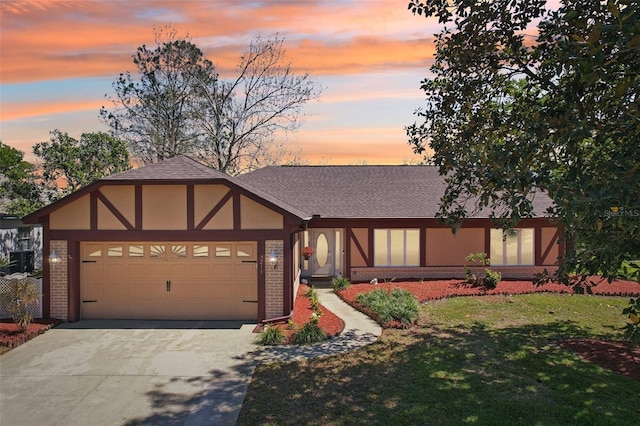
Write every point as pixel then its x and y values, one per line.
pixel 94 212
pixel 215 210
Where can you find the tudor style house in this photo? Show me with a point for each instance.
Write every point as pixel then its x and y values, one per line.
pixel 178 240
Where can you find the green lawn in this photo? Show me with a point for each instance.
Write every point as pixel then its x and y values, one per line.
pixel 482 360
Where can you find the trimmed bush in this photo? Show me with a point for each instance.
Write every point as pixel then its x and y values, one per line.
pixel 271 336
pixel 395 305
pixel 491 278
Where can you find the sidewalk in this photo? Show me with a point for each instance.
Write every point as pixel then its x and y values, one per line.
pixel 359 330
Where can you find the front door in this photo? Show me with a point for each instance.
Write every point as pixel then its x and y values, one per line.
pixel 323 259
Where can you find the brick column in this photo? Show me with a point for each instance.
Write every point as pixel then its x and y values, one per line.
pixel 59 281
pixel 274 280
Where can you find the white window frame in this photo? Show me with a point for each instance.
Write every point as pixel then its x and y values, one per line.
pixel 404 247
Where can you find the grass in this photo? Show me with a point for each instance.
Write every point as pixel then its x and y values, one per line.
pixel 481 360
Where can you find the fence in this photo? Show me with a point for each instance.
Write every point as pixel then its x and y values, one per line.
pixel 34 310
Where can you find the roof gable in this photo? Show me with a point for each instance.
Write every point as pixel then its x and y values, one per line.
pixel 175 170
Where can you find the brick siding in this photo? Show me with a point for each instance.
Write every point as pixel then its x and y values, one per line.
pixel 442 272
pixel 274 280
pixel 58 281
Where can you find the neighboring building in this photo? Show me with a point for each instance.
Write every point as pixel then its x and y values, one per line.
pixel 178 240
pixel 21 244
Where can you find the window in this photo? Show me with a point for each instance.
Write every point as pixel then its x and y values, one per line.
pixel 24 238
pixel 136 250
pixel 157 250
pixel 223 251
pixel 114 251
pixel 178 250
pixel 396 247
pixel 200 251
pixel 512 247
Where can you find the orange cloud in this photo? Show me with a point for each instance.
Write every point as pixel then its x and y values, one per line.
pixel 55 40
pixel 16 111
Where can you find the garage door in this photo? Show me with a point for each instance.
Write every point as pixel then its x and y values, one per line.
pixel 190 280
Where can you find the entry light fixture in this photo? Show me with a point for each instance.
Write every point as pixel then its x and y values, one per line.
pixel 54 259
pixel 273 259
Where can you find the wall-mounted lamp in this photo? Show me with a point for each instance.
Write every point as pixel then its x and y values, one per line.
pixel 273 259
pixel 54 259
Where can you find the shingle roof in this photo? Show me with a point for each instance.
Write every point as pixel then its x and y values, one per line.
pixel 361 191
pixel 182 168
pixel 175 168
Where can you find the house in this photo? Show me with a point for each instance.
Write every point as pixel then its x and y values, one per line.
pixel 178 240
pixel 20 244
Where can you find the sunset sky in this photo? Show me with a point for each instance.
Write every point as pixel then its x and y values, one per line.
pixel 58 59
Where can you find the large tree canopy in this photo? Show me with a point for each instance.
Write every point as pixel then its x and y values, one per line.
pixel 19 192
pixel 69 164
pixel 523 98
pixel 178 104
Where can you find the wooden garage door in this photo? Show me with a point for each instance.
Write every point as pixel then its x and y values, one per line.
pixel 190 280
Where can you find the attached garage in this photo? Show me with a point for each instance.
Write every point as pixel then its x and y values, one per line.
pixel 174 240
pixel 169 280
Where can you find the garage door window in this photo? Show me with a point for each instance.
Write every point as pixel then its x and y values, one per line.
pixel 244 251
pixel 114 251
pixel 223 251
pixel 200 251
pixel 156 250
pixel 136 250
pixel 178 250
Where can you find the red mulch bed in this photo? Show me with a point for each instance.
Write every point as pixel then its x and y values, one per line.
pixel 11 336
pixel 433 290
pixel 329 322
pixel 613 355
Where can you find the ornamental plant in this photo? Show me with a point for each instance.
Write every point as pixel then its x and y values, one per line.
pixel 18 298
pixel 310 332
pixel 307 252
pixel 489 279
pixel 271 336
pixel 340 283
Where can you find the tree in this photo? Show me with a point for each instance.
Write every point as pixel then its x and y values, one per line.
pixel 178 104
pixel 510 114
pixel 156 113
pixel 69 164
pixel 18 185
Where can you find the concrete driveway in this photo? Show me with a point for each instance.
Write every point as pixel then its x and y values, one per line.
pixel 129 372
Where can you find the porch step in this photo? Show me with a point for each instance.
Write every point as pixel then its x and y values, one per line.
pixel 321 282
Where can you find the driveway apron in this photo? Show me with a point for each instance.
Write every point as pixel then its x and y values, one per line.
pixel 129 372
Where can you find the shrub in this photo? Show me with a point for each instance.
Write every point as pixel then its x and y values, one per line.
pixel 395 305
pixel 340 283
pixel 491 278
pixel 312 294
pixel 271 336
pixel 309 333
pixel 21 294
pixel 291 325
